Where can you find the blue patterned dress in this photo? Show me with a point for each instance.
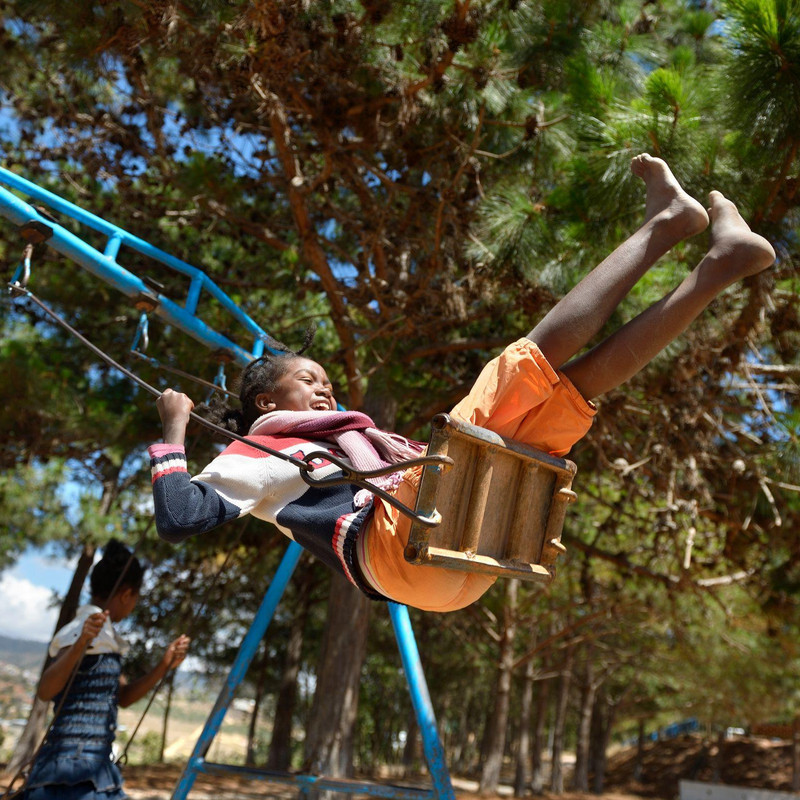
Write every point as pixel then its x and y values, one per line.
pixel 75 761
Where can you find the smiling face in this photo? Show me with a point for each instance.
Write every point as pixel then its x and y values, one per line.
pixel 304 386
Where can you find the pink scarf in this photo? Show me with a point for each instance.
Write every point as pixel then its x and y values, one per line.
pixel 366 447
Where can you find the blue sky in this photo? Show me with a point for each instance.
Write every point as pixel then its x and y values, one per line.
pixel 26 595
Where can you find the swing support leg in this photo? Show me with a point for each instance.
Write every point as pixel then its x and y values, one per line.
pixel 247 651
pixel 420 698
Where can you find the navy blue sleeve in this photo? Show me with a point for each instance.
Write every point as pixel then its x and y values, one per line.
pixel 184 507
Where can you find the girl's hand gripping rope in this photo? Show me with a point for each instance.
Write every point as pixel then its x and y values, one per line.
pixel 176 652
pixel 91 628
pixel 175 409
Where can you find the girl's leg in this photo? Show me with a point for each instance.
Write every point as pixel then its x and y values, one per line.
pixel 735 253
pixel 670 216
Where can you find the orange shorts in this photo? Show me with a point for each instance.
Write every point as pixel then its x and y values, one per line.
pixel 518 395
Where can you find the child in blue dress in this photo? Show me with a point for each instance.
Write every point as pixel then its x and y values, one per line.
pixel 75 761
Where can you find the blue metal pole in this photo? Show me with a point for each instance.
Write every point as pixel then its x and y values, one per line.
pixel 306 782
pixel 421 700
pixel 105 266
pixel 118 236
pixel 247 651
pixel 69 245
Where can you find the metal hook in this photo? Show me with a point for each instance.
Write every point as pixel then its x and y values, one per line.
pixel 23 272
pixel 142 332
pixel 32 232
pixel 220 379
pixel 358 478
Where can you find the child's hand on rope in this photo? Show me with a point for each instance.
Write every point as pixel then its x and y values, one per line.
pixel 174 409
pixel 92 626
pixel 176 651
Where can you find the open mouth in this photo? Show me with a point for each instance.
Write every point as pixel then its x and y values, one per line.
pixel 320 406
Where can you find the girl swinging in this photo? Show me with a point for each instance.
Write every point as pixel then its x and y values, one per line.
pixel 536 391
pixel 85 682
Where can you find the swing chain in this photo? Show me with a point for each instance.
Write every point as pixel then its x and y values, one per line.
pixel 191 621
pixel 362 479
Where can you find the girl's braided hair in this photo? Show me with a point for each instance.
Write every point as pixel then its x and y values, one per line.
pixel 107 570
pixel 260 375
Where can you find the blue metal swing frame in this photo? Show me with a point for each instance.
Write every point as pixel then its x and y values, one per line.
pixel 105 266
pixel 432 747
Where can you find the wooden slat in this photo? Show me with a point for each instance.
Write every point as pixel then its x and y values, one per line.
pixel 502 505
pixel 531 509
pixel 453 559
pixel 476 501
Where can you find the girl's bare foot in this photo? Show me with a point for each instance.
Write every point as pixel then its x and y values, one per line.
pixel 667 202
pixel 733 244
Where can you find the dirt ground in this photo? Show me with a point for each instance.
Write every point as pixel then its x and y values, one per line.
pixel 742 761
pixel 157 782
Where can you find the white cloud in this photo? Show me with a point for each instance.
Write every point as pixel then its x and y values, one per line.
pixel 48 563
pixel 25 611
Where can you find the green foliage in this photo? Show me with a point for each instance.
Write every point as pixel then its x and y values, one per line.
pixel 764 69
pixel 665 92
pixel 33 512
pixel 150 747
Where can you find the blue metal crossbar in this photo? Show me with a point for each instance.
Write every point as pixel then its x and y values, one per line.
pixel 104 265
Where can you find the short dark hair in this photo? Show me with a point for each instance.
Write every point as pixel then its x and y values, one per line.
pixel 117 559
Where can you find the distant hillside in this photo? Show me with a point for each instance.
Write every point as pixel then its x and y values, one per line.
pixel 22 653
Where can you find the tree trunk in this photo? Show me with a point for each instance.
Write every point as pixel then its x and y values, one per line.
pixel 537 746
pixel 602 724
pixel 522 773
pixel 796 754
pixel 31 735
pixel 412 752
pixel 72 598
pixel 280 746
pixel 559 725
pixel 330 734
pixel 580 779
pixel 252 727
pixel 460 746
pixel 495 740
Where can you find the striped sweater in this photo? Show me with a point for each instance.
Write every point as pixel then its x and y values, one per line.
pixel 243 480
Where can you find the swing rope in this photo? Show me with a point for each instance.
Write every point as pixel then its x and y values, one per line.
pixel 156 364
pixel 359 478
pixel 191 622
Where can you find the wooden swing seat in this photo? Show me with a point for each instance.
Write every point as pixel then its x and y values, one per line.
pixel 502 504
